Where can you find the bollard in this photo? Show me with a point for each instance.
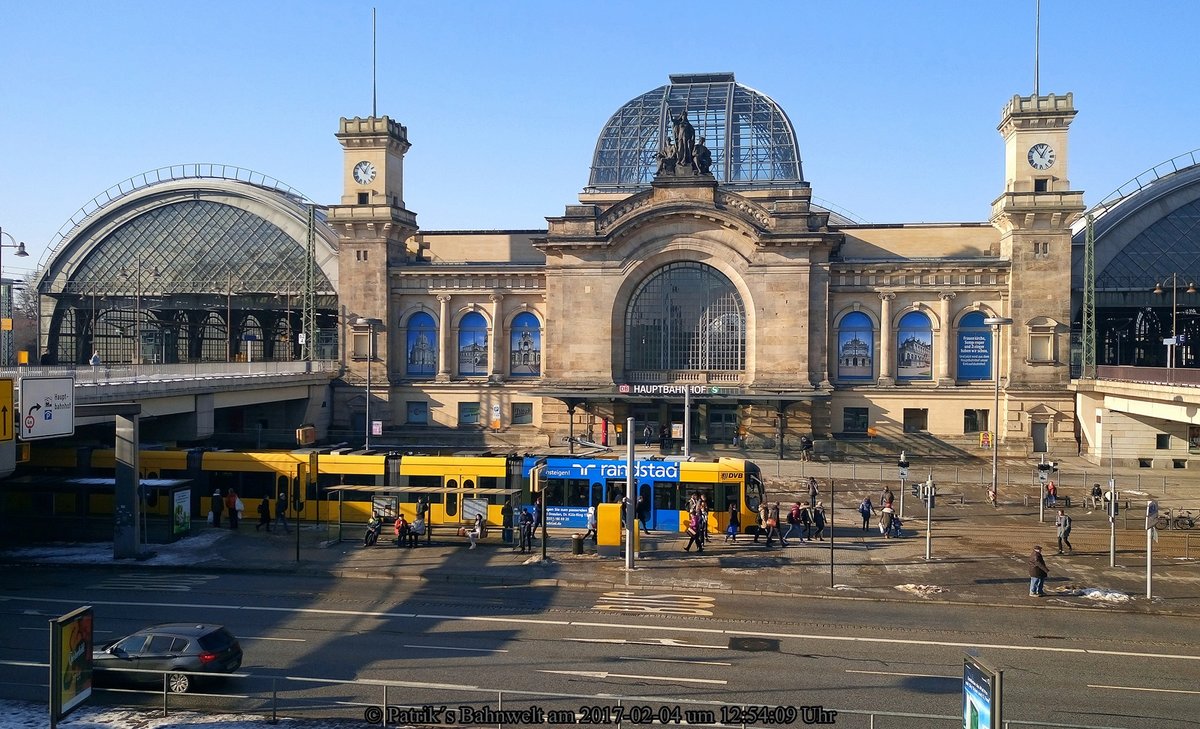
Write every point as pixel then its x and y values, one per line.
pixel 576 544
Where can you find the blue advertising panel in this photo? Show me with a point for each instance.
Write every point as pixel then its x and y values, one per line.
pixel 525 346
pixel 974 351
pixel 856 347
pixel 914 348
pixel 981 695
pixel 421 346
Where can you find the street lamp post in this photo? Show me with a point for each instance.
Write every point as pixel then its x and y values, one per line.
pixel 1174 340
pixel 8 299
pixel 995 322
pixel 370 324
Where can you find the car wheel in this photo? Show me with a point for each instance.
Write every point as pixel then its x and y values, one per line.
pixel 179 683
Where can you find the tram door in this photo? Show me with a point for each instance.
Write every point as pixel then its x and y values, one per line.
pixel 664 505
pixel 458 486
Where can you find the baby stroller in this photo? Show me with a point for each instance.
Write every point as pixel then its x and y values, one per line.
pixel 896 526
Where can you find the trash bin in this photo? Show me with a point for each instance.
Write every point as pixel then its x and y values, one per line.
pixel 576 544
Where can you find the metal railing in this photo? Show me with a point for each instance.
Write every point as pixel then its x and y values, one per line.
pixel 402 703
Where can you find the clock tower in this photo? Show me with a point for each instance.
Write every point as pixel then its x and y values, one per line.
pixel 1034 216
pixel 372 226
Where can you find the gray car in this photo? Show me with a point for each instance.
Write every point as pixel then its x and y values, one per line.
pixel 166 649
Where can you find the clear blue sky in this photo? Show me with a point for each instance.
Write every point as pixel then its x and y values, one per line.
pixel 895 103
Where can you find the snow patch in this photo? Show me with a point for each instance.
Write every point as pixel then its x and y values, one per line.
pixel 189 550
pixel 1097 593
pixel 921 590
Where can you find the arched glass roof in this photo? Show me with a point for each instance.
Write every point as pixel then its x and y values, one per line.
pixel 199 246
pixel 751 139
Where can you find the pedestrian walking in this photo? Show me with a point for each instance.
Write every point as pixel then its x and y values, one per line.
pixel 735 524
pixel 886 515
pixel 264 515
pixel 866 509
pixel 648 434
pixel 643 512
pixel 281 508
pixel 761 529
pixel 694 531
pixel 793 521
pixel 886 497
pixel 1038 572
pixel 773 525
pixel 818 519
pixel 591 524
pixel 216 504
pixel 1063 522
pixel 506 521
pixel 813 491
pixel 232 502
pixel 806 522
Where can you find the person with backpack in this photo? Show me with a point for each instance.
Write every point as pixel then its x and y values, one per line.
pixel 793 521
pixel 735 524
pixel 866 509
pixel 806 522
pixel 694 532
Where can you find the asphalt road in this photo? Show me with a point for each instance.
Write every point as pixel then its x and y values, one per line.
pixel 555 648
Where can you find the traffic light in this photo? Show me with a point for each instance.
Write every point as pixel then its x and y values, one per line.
pixel 1044 470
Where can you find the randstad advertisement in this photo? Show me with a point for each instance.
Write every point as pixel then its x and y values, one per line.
pixel 568 483
pixel 71 672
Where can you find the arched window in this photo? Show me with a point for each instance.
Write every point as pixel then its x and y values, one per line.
pixel 685 316
pixel 914 347
pixel 856 347
pixel 472 345
pixel 975 352
pixel 420 348
pixel 525 346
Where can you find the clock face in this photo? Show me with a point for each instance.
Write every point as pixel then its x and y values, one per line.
pixel 1041 156
pixel 364 172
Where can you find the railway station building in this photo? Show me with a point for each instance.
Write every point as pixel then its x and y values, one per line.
pixel 695 269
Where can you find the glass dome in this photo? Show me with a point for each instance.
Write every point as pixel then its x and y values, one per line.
pixel 752 141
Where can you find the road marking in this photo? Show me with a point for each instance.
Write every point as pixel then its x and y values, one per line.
pixel 691 629
pixel 909 675
pixel 636 602
pixel 1142 688
pixel 673 642
pixel 457 648
pixel 156 583
pixel 673 660
pixel 606 674
pixel 263 637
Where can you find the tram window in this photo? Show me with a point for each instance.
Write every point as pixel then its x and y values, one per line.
pixel 553 493
pixel 754 493
pixel 428 482
pixel 597 494
pixel 727 495
pixel 578 490
pixel 688 490
pixel 451 497
pixel 616 491
pixel 664 496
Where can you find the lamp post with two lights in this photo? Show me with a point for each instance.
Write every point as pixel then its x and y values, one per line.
pixel 370 324
pixel 8 295
pixel 995 322
pixel 1159 289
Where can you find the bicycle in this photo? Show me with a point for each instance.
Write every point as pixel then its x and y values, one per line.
pixel 1185 520
pixel 1164 520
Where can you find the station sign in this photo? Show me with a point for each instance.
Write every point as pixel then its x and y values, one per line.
pixel 627 389
pixel 47 407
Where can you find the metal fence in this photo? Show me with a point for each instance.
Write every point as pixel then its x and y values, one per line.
pixel 406 703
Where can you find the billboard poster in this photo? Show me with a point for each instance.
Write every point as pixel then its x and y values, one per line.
pixel 181 510
pixel 974 355
pixel 981 695
pixel 856 348
pixel 70 662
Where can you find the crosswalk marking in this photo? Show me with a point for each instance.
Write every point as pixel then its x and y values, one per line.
pixel 154 582
pixel 636 602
